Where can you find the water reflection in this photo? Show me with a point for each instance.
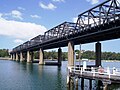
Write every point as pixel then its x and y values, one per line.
pixel 27 76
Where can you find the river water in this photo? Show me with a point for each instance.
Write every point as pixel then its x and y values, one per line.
pixel 25 76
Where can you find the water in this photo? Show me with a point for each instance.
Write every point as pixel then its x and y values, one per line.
pixel 25 76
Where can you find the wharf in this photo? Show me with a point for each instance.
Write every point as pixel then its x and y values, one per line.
pixel 103 74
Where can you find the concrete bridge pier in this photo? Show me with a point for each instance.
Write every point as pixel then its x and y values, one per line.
pixel 28 57
pixel 32 56
pixel 16 57
pixel 13 56
pixel 70 54
pixel 70 59
pixel 98 54
pixel 59 56
pixel 21 56
pixel 41 57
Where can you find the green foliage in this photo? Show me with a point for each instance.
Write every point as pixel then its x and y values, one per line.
pixel 88 55
pixel 84 54
pixel 4 53
pixel 51 55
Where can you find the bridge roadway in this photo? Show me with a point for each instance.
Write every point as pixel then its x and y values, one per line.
pixel 99 23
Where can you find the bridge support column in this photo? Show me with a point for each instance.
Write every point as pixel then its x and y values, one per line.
pixel 21 56
pixel 13 56
pixel 70 54
pixel 41 59
pixel 16 57
pixel 59 56
pixel 28 56
pixel 32 56
pixel 98 54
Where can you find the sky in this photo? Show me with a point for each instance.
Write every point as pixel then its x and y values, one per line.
pixel 21 20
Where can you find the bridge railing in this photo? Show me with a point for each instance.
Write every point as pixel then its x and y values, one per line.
pixel 104 13
pixel 60 31
pixel 36 40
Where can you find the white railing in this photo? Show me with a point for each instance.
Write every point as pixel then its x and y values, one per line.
pixel 95 71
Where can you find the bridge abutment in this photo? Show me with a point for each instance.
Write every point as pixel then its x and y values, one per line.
pixel 41 57
pixel 98 54
pixel 70 54
pixel 59 56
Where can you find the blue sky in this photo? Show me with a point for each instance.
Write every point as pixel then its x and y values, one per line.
pixel 21 20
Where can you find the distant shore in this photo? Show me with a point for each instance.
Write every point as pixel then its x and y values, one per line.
pixel 101 60
pixel 5 58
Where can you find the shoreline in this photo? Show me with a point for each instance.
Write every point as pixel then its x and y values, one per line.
pixel 5 58
pixel 101 60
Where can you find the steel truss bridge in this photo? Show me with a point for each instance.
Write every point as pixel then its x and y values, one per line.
pixel 99 23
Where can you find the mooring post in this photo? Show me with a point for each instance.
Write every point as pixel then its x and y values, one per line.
pixel 71 83
pixel 105 87
pixel 76 83
pixel 98 54
pixel 100 85
pixel 82 83
pixel 59 56
pixel 41 57
pixel 90 84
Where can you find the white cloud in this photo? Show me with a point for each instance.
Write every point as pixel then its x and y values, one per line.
pixel 1 15
pixel 21 8
pixel 16 14
pixel 18 41
pixel 58 0
pixel 35 16
pixel 93 1
pixel 75 19
pixel 20 30
pixel 50 6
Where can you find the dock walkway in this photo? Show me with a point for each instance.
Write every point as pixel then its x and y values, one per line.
pixel 110 75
